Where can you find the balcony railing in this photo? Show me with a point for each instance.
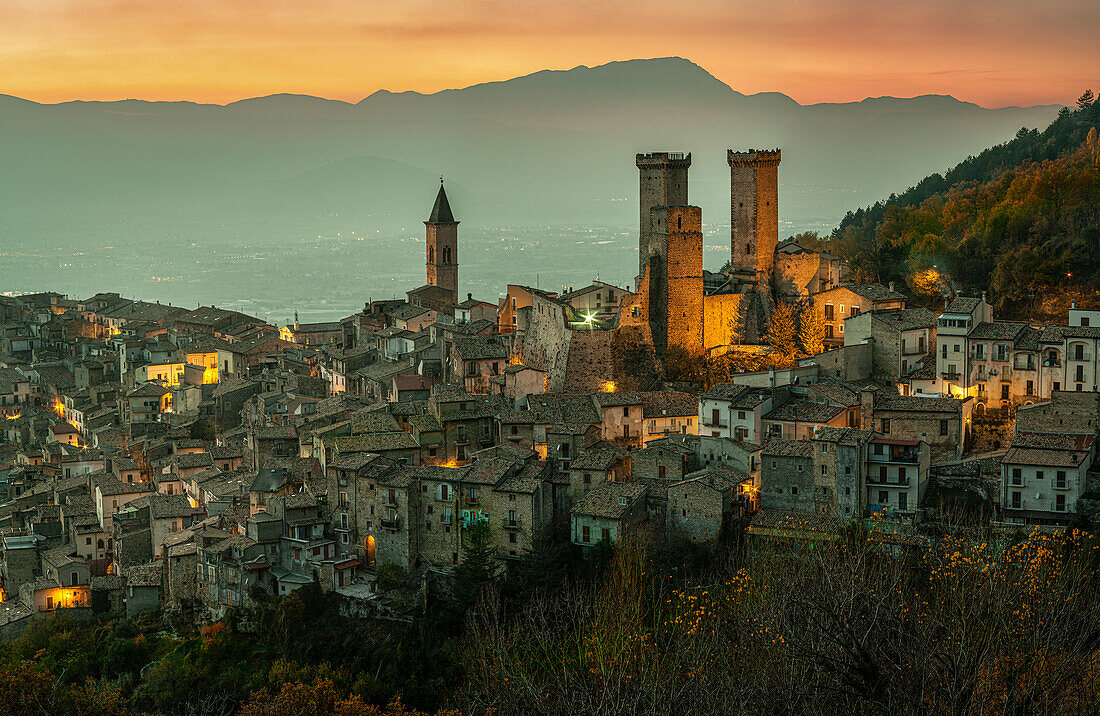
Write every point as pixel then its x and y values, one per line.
pixel 906 456
pixel 719 424
pixel 891 480
pixel 1080 356
pixel 390 523
pixel 512 524
pixel 950 376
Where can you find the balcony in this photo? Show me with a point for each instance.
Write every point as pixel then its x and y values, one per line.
pixel 891 480
pixel 952 376
pixel 514 525
pixel 389 501
pixel 1080 356
pixel 905 456
pixel 393 522
pixel 719 424
pixel 914 351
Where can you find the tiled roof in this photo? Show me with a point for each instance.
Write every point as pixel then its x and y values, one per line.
pixel 480 348
pixel 962 304
pixel 873 291
pixel 998 330
pixel 600 456
pixel 804 411
pixel 1041 457
pixel 908 319
pixel 780 447
pixel 836 391
pixel 916 403
pixel 843 436
pixel 375 442
pixel 606 500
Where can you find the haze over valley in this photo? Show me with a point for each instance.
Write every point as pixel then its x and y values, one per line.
pixel 260 203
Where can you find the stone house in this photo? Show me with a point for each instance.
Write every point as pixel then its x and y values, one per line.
pixel 620 417
pixel 474 360
pixel 607 513
pixel 839 455
pixel 668 412
pixel 704 502
pixel 901 340
pixel 599 463
pixel 787 475
pixel 110 495
pixel 941 422
pixel 663 459
pixel 896 475
pixel 144 587
pixel 843 302
pixel 1044 475
pixel 518 381
pixel 734 411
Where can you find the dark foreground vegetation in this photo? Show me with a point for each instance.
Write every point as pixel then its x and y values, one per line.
pixel 851 625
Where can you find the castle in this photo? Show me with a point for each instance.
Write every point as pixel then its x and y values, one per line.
pixel 680 303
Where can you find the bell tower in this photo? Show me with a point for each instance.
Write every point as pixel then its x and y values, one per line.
pixel 442 245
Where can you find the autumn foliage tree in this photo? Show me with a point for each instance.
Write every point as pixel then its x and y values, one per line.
pixel 811 329
pixel 782 331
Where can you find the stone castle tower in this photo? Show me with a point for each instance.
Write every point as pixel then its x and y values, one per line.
pixel 680 230
pixel 442 245
pixel 754 211
pixel 662 181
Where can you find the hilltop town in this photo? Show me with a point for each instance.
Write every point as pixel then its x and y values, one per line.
pixel 191 461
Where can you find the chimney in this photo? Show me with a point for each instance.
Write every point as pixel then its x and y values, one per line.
pixel 1073 303
pixel 891 287
pixel 867 408
pixel 983 296
pixel 469 296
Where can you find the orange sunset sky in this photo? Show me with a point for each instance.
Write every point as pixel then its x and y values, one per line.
pixel 993 52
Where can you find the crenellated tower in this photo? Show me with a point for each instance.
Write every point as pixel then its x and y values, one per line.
pixel 662 181
pixel 754 210
pixel 442 245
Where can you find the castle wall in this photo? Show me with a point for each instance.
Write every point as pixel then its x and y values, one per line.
pixel 544 340
pixel 795 275
pixel 719 312
pixel 590 363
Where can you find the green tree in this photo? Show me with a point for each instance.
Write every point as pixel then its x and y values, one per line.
pixel 1085 100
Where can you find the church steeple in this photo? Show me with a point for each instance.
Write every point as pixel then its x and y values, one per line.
pixel 441 212
pixel 442 245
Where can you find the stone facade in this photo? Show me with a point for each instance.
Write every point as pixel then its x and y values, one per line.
pixel 754 210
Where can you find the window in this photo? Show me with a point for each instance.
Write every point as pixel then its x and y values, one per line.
pixel 512 537
pixel 626 411
pixel 1059 503
pixel 1004 391
pixel 1016 501
pixel 1017 476
pixel 829 312
pixel 903 501
pixel 1060 479
pixel 586 535
pixel 794 490
pixel 943 427
pixel 343 499
pixel 1038 474
pixel 886 426
pixel 883 497
pixel 661 471
pixel 824 448
pixel 605 534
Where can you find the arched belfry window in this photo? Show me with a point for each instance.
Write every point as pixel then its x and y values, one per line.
pixel 431 254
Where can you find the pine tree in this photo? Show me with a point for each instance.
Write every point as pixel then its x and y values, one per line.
pixel 783 330
pixel 1085 100
pixel 811 329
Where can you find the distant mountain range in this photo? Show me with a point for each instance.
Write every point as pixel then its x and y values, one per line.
pixel 553 147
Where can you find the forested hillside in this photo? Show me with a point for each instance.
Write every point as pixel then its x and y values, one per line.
pixel 1021 220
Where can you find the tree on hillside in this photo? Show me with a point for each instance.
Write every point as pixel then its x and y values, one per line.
pixel 1085 100
pixel 783 330
pixel 811 329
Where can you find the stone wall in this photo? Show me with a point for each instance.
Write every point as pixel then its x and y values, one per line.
pixel 784 486
pixel 684 239
pixel 796 275
pixel 719 312
pixel 697 510
pixel 847 363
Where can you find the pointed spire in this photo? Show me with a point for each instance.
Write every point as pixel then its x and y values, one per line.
pixel 441 212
